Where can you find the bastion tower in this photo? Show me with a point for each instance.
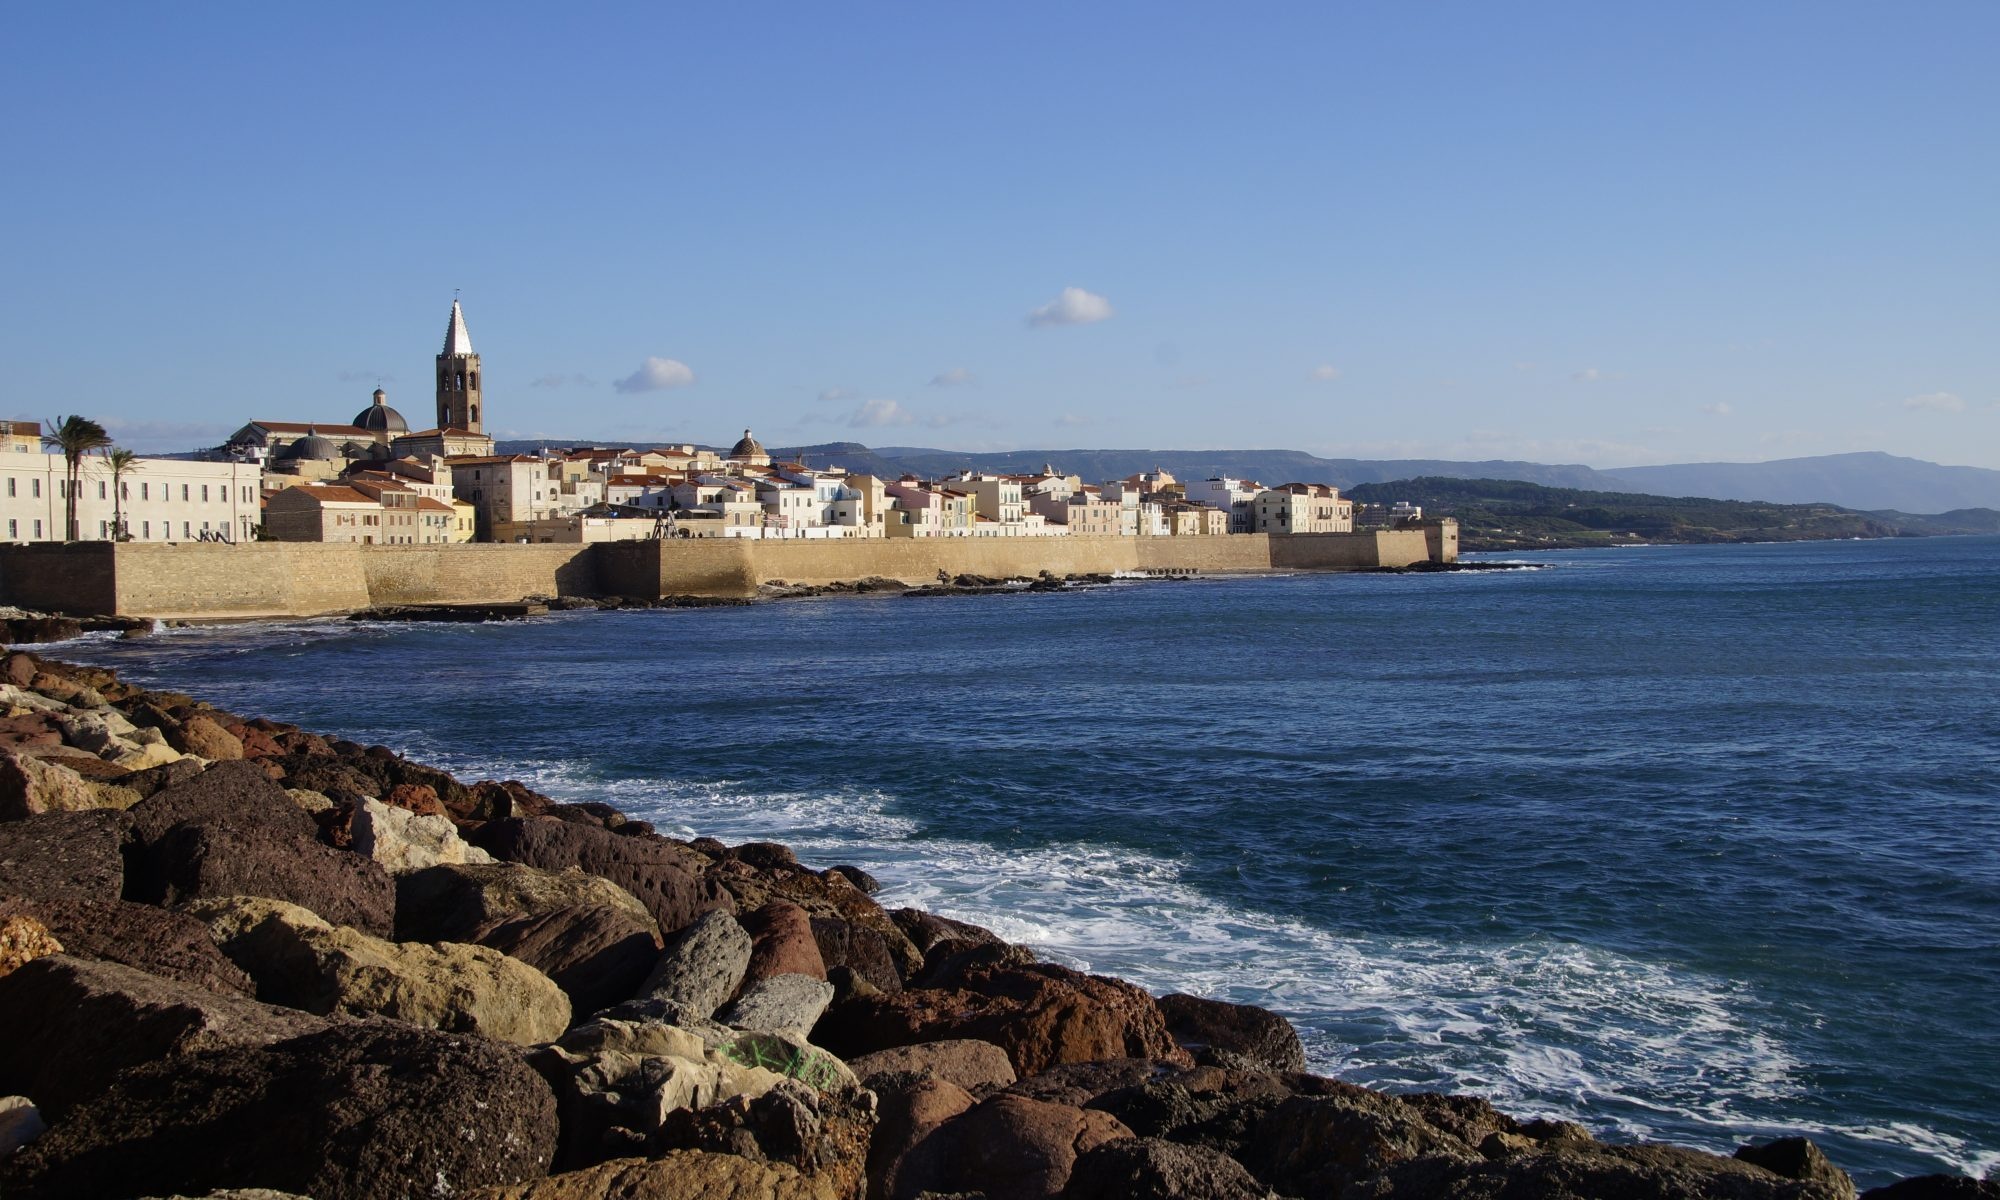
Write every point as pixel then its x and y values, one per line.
pixel 458 377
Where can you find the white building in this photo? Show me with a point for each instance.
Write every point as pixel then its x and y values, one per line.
pixel 159 499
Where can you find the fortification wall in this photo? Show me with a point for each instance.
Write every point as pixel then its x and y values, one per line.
pixel 298 579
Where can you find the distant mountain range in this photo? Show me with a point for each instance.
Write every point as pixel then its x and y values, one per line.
pixel 1867 481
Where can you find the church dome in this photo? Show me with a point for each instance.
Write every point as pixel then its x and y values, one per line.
pixel 312 447
pixel 749 447
pixel 380 418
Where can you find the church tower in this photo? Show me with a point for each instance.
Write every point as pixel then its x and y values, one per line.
pixel 458 377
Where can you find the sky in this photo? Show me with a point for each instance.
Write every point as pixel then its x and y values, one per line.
pixel 1575 232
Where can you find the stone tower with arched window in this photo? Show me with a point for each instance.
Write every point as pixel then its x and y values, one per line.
pixel 458 377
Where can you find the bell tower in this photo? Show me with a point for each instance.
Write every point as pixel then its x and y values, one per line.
pixel 458 378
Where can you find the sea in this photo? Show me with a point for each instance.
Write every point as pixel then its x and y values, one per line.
pixel 1699 844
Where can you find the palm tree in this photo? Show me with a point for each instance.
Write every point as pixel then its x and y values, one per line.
pixel 75 437
pixel 118 461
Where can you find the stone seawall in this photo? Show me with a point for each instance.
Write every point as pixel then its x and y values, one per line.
pixel 303 579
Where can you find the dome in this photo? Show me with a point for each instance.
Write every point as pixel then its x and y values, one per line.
pixel 749 447
pixel 313 447
pixel 380 418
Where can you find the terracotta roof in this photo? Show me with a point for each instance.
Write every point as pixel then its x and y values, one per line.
pixel 331 494
pixel 426 504
pixel 468 459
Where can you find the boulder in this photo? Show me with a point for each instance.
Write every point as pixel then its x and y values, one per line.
pixel 664 875
pixel 764 877
pixel 908 1110
pixel 300 961
pixel 1936 1187
pixel 1079 1085
pixel 823 1134
pixel 1008 1147
pixel 19 669
pixel 30 785
pixel 158 941
pixel 401 840
pixel 1210 1107
pixel 234 794
pixel 1039 1013
pixel 789 1055
pixel 1263 1038
pixel 926 931
pixel 781 943
pixel 592 937
pixel 1155 1169
pixel 703 965
pixel 211 860
pixel 22 941
pixel 860 949
pixel 94 1019
pixel 352 1112
pixel 1798 1158
pixel 679 1175
pixel 785 1003
pixel 202 737
pixel 964 1062
pixel 1564 1170
pixel 64 856
pixel 20 1123
pixel 1317 1145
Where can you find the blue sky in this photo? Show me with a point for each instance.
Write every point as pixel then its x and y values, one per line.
pixel 1609 234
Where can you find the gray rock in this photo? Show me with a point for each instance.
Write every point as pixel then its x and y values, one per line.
pixel 20 1123
pixel 791 1003
pixel 703 965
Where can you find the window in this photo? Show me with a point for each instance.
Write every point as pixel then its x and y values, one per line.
pixel 38 488
pixel 145 528
pixel 145 491
pixel 13 527
pixel 10 485
pixel 104 529
pixel 38 529
pixel 204 493
pixel 100 489
pixel 184 496
pixel 124 491
pixel 187 530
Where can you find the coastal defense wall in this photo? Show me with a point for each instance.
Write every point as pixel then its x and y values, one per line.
pixel 303 579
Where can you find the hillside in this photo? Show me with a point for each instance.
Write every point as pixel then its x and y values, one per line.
pixel 1499 514
pixel 1870 480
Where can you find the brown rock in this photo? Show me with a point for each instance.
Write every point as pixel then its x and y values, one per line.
pixel 823 1134
pixel 1155 1169
pixel 352 1112
pixel 1008 1147
pixel 31 785
pixel 781 943
pixel 1260 1037
pixel 679 1175
pixel 1317 1145
pixel 773 878
pixel 661 873
pixel 906 1114
pixel 160 942
pixel 202 737
pixel 22 941
pixel 93 1019
pixel 1798 1158
pixel 926 931
pixel 235 794
pixel 64 856
pixel 1039 1013
pixel 207 861
pixel 20 669
pixel 861 949
pixel 419 798
pixel 1578 1171
pixel 973 1065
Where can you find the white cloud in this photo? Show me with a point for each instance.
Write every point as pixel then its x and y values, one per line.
pixel 1718 409
pixel 657 375
pixel 1071 420
pixel 1943 402
pixel 1326 373
pixel 1593 375
pixel 875 414
pixel 1072 306
pixel 956 377
pixel 835 395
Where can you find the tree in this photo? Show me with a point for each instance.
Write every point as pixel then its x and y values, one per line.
pixel 118 460
pixel 75 437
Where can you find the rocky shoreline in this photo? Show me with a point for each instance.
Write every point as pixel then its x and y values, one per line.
pixel 235 954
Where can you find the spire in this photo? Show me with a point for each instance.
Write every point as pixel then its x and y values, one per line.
pixel 456 339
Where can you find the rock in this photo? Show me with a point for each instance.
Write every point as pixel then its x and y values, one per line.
pixel 202 737
pixel 352 1112
pixel 1155 1169
pixel 679 1175
pixel 1798 1158
pixel 858 948
pixel 20 1123
pixel 1263 1037
pixel 20 669
pixel 1317 1145
pixel 789 1055
pixel 1008 1147
pixel 781 943
pixel 1080 1084
pixel 401 840
pixel 927 931
pixel 209 861
pixel 906 1114
pixel 1039 1013
pixel 1574 1171
pixel 169 944
pixel 964 1062
pixel 95 1019
pixel 1210 1107
pixel 150 781
pixel 22 941
pixel 592 937
pixel 702 965
pixel 31 785
pixel 235 794
pixel 662 874
pixel 785 1003
pixel 420 799
pixel 768 877
pixel 823 1134
pixel 300 961
pixel 858 877
pixel 63 856
pixel 310 801
pixel 1936 1187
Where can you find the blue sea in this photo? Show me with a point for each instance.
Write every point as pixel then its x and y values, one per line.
pixel 1686 843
